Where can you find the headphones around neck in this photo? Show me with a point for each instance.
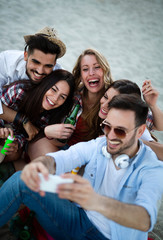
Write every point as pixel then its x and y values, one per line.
pixel 122 161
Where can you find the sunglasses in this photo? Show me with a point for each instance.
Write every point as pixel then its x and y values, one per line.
pixel 120 133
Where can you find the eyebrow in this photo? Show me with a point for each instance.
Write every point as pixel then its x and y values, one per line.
pixel 35 60
pixel 58 90
pixel 119 127
pixel 86 65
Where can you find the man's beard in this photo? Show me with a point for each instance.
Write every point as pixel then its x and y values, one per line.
pixel 31 80
pixel 125 147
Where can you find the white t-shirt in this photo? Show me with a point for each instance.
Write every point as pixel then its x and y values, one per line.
pixel 113 176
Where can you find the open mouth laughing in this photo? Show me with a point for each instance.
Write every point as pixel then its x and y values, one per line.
pixel 93 82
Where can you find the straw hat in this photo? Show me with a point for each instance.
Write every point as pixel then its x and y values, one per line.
pixel 51 35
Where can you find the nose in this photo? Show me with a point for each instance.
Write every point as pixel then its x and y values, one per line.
pixel 55 97
pixel 40 69
pixel 111 134
pixel 91 71
pixel 105 104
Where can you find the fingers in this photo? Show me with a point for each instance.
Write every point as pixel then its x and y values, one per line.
pixel 146 86
pixel 12 148
pixel 30 175
pixel 4 132
pixel 148 89
pixel 31 130
pixel 69 126
pixel 67 131
pixel 70 190
pixel 80 192
pixel 11 132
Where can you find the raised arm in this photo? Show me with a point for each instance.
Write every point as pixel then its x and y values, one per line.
pixel 150 96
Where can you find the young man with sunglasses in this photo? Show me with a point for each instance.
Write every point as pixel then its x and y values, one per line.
pixel 117 197
pixel 38 60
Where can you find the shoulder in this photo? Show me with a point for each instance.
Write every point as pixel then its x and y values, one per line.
pixel 11 59
pixel 147 157
pixel 14 89
pixel 57 66
pixel 12 53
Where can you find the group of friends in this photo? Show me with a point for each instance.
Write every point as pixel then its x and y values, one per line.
pixel 116 193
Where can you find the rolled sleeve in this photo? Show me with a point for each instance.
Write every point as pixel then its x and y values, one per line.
pixel 150 194
pixel 76 156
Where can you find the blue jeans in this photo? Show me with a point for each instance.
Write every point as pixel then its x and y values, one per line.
pixel 61 218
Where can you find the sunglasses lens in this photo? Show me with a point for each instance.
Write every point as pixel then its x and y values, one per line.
pixel 105 128
pixel 120 133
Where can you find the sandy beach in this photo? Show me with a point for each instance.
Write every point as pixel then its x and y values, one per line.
pixel 129 33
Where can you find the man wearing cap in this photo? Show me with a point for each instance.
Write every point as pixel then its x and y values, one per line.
pixel 38 60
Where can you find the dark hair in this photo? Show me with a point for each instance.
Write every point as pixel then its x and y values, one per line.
pixel 124 86
pixel 131 102
pixel 31 104
pixel 43 44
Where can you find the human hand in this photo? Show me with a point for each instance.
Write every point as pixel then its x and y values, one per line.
pixel 4 132
pixel 31 178
pixel 59 131
pixel 31 130
pixel 80 192
pixel 149 93
pixel 13 148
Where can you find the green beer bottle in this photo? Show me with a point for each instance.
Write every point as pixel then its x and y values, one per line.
pixel 71 119
pixel 26 231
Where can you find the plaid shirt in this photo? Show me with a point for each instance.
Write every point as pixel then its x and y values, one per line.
pixel 149 121
pixel 11 97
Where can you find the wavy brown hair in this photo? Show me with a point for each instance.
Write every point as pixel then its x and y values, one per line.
pixel 91 115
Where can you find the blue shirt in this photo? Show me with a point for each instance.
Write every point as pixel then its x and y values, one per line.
pixel 142 183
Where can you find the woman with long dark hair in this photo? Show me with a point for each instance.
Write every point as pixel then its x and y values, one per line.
pixel 46 103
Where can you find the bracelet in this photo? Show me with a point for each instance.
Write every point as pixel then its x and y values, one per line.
pixel 25 120
pixel 20 119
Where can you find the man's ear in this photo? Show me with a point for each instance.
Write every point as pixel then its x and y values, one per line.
pixel 141 130
pixel 25 56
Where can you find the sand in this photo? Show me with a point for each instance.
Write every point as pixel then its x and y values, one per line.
pixel 129 33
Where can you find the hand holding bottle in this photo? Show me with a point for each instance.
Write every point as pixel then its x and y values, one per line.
pixel 71 119
pixel 59 131
pixel 4 132
pixel 6 146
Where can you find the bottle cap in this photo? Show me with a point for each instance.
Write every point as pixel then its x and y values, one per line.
pixel 10 138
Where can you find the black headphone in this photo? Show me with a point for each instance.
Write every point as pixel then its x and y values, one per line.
pixel 122 161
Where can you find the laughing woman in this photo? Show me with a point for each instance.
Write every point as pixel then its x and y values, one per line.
pixel 42 104
pixel 124 86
